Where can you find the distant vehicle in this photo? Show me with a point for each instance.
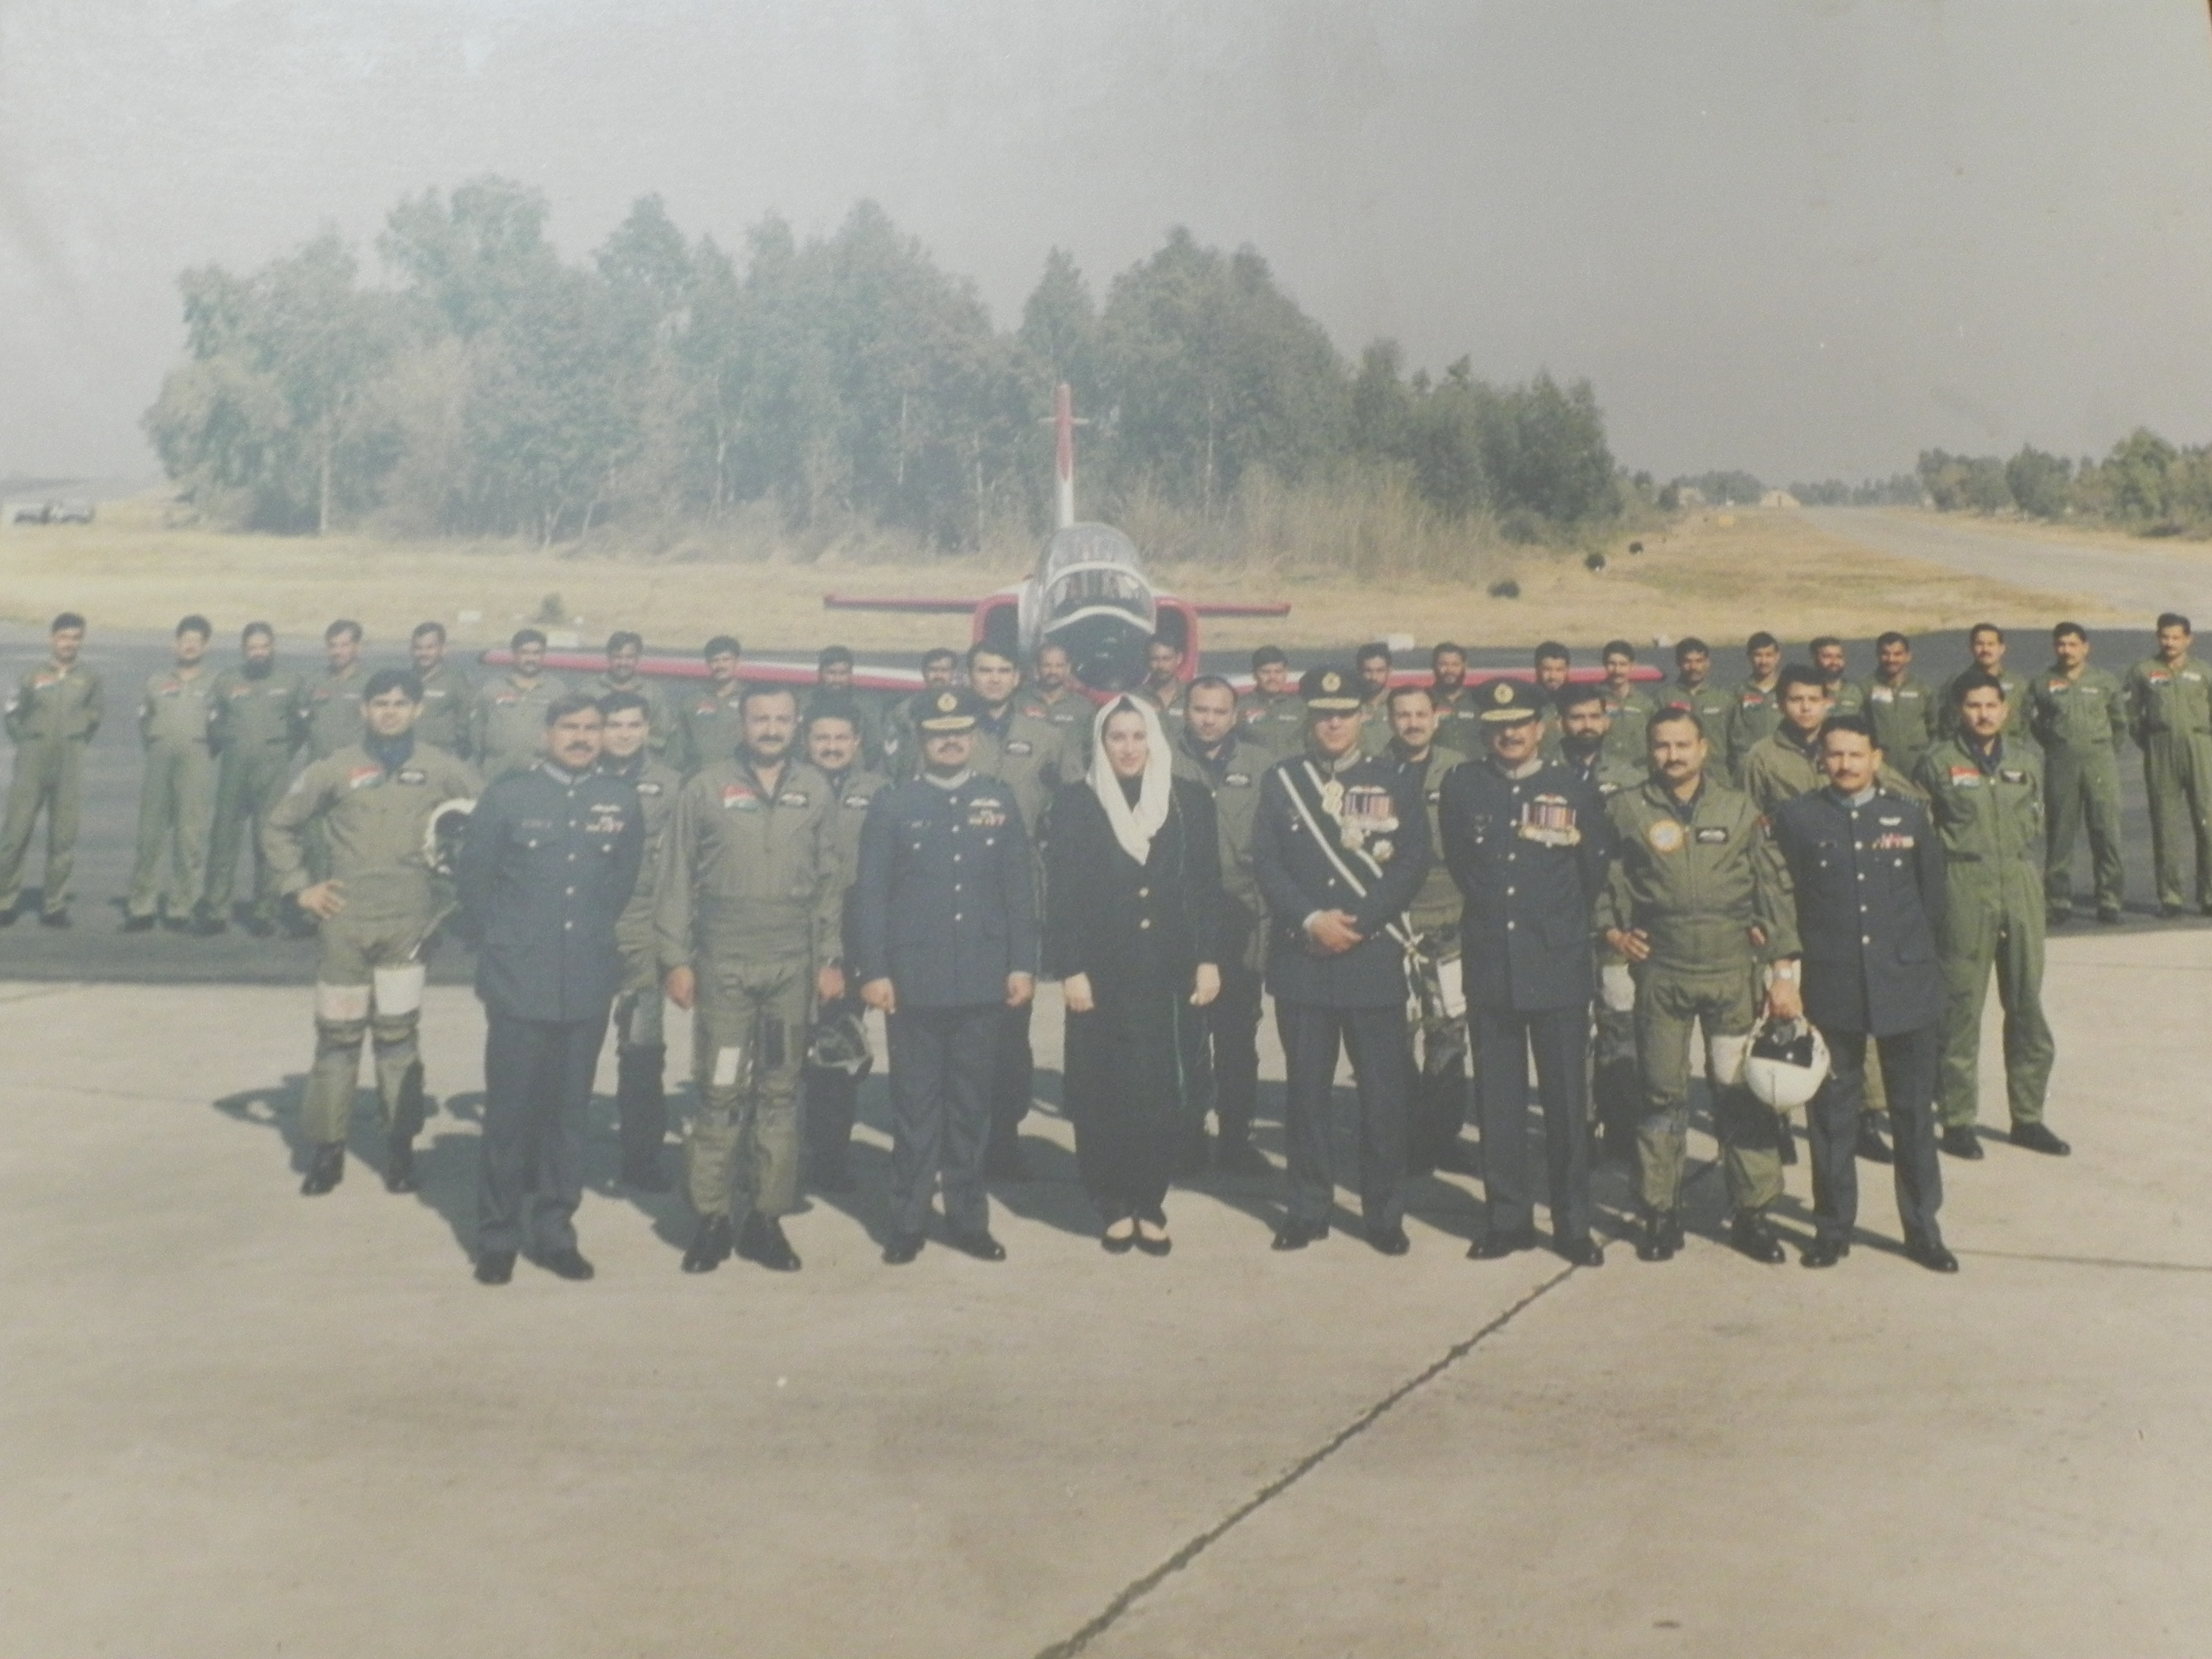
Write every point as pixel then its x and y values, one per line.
pixel 50 512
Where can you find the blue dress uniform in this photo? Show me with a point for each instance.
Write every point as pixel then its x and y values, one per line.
pixel 548 862
pixel 1528 850
pixel 945 908
pixel 1352 835
pixel 1868 879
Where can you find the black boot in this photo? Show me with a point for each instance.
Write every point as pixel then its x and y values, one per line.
pixel 710 1245
pixel 1662 1235
pixel 327 1169
pixel 642 1108
pixel 1750 1235
pixel 400 1175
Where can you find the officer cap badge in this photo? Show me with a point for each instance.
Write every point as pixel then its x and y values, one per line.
pixel 1506 703
pixel 946 711
pixel 1328 691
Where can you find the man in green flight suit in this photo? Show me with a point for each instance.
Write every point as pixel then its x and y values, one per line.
pixel 376 800
pixel 2079 717
pixel 1271 715
pixel 1901 708
pixel 256 732
pixel 1845 696
pixel 51 718
pixel 1985 644
pixel 1698 903
pixel 1628 707
pixel 641 1046
pixel 448 694
pixel 624 651
pixel 507 720
pixel 1586 749
pixel 1755 705
pixel 1692 689
pixel 1985 797
pixel 330 707
pixel 713 724
pixel 2170 718
pixel 176 802
pixel 1437 1111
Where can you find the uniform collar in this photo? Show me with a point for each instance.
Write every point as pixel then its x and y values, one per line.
pixel 959 780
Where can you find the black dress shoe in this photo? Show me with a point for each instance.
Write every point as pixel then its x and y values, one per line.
pixel 1960 1142
pixel 1390 1240
pixel 1872 1147
pixel 903 1247
pixel 761 1239
pixel 327 1169
pixel 1750 1235
pixel 1240 1157
pixel 176 924
pixel 709 1245
pixel 644 1175
pixel 1582 1252
pixel 2037 1139
pixel 138 925
pixel 567 1264
pixel 55 919
pixel 1493 1247
pixel 1154 1246
pixel 1663 1237
pixel 399 1175
pixel 982 1246
pixel 1824 1252
pixel 495 1267
pixel 1296 1235
pixel 1931 1255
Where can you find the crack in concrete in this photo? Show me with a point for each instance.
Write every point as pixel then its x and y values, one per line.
pixel 2093 1261
pixel 1137 1589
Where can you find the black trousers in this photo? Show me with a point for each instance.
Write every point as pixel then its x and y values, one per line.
pixel 1382 1064
pixel 833 1104
pixel 537 1085
pixel 1908 1076
pixel 1560 1038
pixel 1013 1081
pixel 942 1061
pixel 1232 1023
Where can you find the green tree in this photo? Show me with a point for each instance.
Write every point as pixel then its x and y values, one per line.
pixel 2041 485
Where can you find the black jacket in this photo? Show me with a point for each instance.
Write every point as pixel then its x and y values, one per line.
pixel 1529 856
pixel 1130 925
pixel 1298 876
pixel 547 866
pixel 946 904
pixel 1869 883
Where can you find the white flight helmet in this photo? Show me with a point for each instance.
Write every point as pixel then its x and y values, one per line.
pixel 441 836
pixel 1787 1064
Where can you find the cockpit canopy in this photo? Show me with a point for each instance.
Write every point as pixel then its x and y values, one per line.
pixel 1087 566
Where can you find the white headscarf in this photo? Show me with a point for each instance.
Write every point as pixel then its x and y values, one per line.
pixel 1133 826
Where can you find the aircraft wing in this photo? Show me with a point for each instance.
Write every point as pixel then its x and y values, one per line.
pixel 1280 608
pixel 760 671
pixel 910 607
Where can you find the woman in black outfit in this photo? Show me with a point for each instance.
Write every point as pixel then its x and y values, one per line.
pixel 1132 923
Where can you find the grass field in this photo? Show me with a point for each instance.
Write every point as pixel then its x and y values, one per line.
pixel 1720 574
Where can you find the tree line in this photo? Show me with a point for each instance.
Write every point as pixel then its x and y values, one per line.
pixel 490 387
pixel 2144 485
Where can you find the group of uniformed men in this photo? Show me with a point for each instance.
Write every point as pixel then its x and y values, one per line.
pixel 1577 873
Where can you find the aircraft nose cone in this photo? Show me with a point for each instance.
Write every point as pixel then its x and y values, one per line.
pixel 1104 652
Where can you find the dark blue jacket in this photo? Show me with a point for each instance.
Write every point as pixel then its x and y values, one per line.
pixel 945 905
pixel 1297 876
pixel 547 866
pixel 1870 892
pixel 1529 856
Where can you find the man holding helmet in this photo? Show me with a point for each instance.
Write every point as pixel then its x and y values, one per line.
pixel 1867 873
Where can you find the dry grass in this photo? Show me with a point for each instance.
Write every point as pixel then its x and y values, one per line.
pixel 1719 574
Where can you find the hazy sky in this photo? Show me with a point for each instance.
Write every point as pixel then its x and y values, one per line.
pixel 1806 237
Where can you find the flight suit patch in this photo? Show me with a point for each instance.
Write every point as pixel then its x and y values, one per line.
pixel 2011 774
pixel 1965 777
pixel 791 798
pixel 1237 781
pixel 1665 835
pixel 1021 746
pixel 858 803
pixel 1712 834
pixel 362 777
pixel 411 775
pixel 649 789
pixel 986 815
pixel 736 796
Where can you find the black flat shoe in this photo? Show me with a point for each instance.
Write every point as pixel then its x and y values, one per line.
pixel 761 1240
pixel 1750 1235
pixel 1159 1246
pixel 326 1171
pixel 982 1246
pixel 495 1267
pixel 1117 1244
pixel 1960 1143
pixel 709 1245
pixel 1663 1237
pixel 1390 1240
pixel 1296 1235
pixel 1932 1256
pixel 1823 1253
pixel 2035 1137
pixel 903 1248
pixel 1494 1246
pixel 1581 1252
pixel 567 1264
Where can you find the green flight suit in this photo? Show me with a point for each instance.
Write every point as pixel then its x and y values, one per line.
pixel 1276 724
pixel 368 981
pixel 2081 724
pixel 176 802
pixel 1615 1093
pixel 2018 694
pixel 1071 714
pixel 1903 719
pixel 256 731
pixel 1847 697
pixel 507 723
pixel 1710 703
pixel 1697 880
pixel 1375 728
pixel 748 895
pixel 1625 740
pixel 330 711
pixel 1754 712
pixel 638 1011
pixel 711 726
pixel 1030 757
pixel 839 1058
pixel 52 717
pixel 2170 717
pixel 663 725
pixel 448 698
pixel 1443 1063
pixel 1989 810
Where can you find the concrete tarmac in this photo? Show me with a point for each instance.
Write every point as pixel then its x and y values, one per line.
pixel 239 1422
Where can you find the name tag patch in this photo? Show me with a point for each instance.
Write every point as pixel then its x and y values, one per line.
pixel 1712 834
pixel 986 815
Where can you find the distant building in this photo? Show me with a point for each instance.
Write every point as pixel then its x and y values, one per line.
pixel 1779 498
